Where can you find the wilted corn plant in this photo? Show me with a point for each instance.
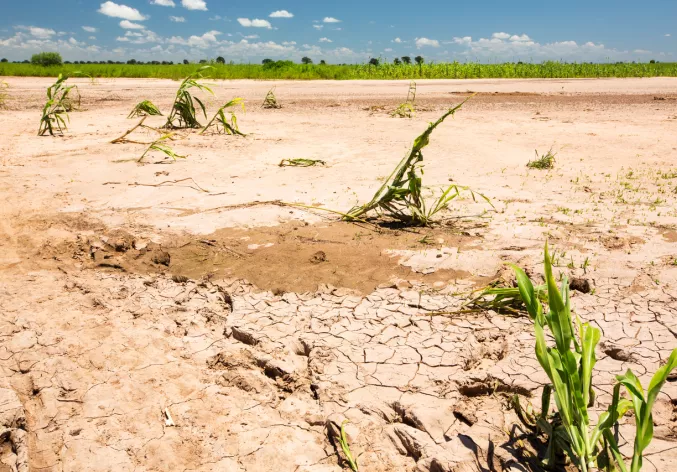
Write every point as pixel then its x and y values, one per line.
pixel 400 197
pixel 184 113
pixel 55 111
pixel 270 101
pixel 220 122
pixel 569 366
pixel 407 109
pixel 300 162
pixel 144 108
pixel 544 161
pixel 159 145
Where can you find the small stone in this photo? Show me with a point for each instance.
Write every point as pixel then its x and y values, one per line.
pixel 161 257
pixel 318 257
pixel 580 285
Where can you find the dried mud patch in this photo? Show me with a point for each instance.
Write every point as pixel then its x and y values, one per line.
pixel 292 257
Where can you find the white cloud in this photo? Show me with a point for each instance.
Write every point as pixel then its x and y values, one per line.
pixel 40 33
pixel 93 38
pixel 89 29
pixel 510 47
pixel 318 27
pixel 255 23
pixel 177 19
pixel 388 50
pixel 289 43
pixel 140 37
pixel 215 18
pixel 129 25
pixel 641 51
pixel 121 11
pixel 251 36
pixel 194 5
pixel 421 42
pixel 163 3
pixel 329 19
pixel 206 41
pixel 325 40
pixel 520 38
pixel 397 40
pixel 500 35
pixel 667 35
pixel 281 14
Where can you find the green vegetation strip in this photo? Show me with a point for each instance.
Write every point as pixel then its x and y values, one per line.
pixel 291 70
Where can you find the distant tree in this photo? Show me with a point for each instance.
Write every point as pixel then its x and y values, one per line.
pixel 323 62
pixel 109 62
pixel 203 61
pixel 652 61
pixel 397 61
pixel 373 61
pixel 25 61
pixel 406 59
pixel 306 60
pixel 267 61
pixel 220 60
pixel 47 59
pixel 419 60
pixel 185 61
pixel 131 61
pixel 4 59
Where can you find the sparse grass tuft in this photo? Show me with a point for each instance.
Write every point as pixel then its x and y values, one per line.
pixel 159 145
pixel 545 161
pixel 55 110
pixel 145 108
pixel 220 122
pixel 400 197
pixel 270 101
pixel 345 447
pixel 300 162
pixel 184 113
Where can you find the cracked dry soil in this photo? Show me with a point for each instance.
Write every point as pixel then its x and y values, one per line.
pixel 126 345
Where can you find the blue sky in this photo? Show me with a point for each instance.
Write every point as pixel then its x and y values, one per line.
pixel 346 31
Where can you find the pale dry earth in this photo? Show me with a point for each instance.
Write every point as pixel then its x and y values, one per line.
pixel 154 325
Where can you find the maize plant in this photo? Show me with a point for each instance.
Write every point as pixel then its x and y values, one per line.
pixel 144 108
pixel 55 110
pixel 300 162
pixel 401 195
pixel 270 101
pixel 408 108
pixel 159 145
pixel 220 121
pixel 184 113
pixel 569 366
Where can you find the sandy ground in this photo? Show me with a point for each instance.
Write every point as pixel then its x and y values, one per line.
pixel 154 323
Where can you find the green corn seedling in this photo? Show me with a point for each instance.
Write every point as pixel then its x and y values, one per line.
pixel 159 145
pixel 144 108
pixel 220 122
pixel 270 101
pixel 55 110
pixel 184 113
pixel 300 162
pixel 569 366
pixel 400 196
pixel 345 447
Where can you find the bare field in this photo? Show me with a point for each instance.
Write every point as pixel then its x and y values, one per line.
pixel 175 316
